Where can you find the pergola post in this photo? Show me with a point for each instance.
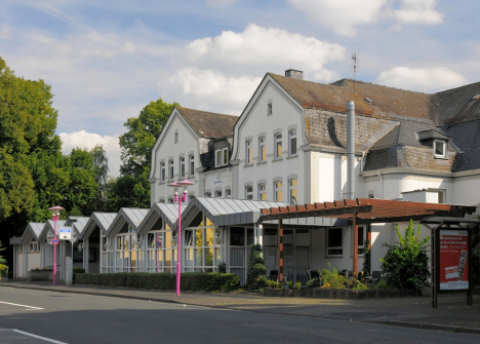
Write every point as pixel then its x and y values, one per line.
pixel 355 243
pixel 280 249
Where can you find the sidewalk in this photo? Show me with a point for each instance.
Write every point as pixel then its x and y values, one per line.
pixel 451 315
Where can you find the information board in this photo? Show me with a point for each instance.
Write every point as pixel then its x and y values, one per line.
pixel 453 260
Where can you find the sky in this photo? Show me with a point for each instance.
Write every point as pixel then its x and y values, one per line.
pixel 106 60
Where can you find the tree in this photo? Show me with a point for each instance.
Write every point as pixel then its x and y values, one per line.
pixel 407 262
pixel 256 272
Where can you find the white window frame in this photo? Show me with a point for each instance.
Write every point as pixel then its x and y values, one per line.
pixel 278 145
pixel 170 200
pixel 162 171
pixel 33 247
pixel 182 167
pixel 225 156
pixel 328 248
pixel 276 189
pixel 228 193
pixel 292 138
pixel 208 194
pixel 249 192
pixel 444 144
pixel 216 246
pixel 171 170
pixel 270 109
pixel 262 191
pixel 161 200
pixel 292 187
pixel 168 250
pixel 123 257
pixel 218 157
pixel 248 152
pixel 218 193
pixel 262 149
pixel 361 248
pixel 192 165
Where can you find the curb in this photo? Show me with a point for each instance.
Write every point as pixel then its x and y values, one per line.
pixel 432 327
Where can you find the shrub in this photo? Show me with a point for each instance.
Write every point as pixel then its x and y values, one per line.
pixel 3 270
pixel 290 284
pixel 332 279
pixel 271 284
pixel 382 285
pixel 280 285
pixel 407 262
pixel 298 285
pixel 359 286
pixel 256 272
pixel 78 270
pixel 190 281
pixel 222 268
pixel 366 260
pixel 310 284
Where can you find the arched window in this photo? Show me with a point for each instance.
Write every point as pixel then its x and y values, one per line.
pixel 162 171
pixel 182 167
pixel 162 200
pixel 218 193
pixel 262 149
pixel 278 145
pixel 248 152
pixel 262 192
pixel 228 193
pixel 292 192
pixel 278 191
pixel 176 136
pixel 170 170
pixel 208 194
pixel 249 192
pixel 170 200
pixel 292 142
pixel 192 165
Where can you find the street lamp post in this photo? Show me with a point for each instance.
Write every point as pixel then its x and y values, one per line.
pixel 180 199
pixel 55 217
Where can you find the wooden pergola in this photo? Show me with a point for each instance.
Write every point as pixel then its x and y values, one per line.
pixel 362 211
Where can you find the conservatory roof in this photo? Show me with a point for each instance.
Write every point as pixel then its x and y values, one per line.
pixel 50 226
pixel 79 223
pixel 165 212
pixel 102 220
pixel 131 216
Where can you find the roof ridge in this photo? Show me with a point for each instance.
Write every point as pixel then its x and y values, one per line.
pixel 209 112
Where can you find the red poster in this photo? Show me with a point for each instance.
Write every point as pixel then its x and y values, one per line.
pixel 453 260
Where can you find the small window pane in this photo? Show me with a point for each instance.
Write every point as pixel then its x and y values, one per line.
pixel 361 234
pixel 335 237
pixel 237 236
pixel 439 148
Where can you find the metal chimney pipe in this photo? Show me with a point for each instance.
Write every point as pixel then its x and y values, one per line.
pixel 351 150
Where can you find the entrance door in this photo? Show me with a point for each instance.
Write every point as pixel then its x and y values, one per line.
pixel 296 254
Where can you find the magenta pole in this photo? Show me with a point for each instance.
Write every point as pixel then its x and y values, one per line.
pixel 179 238
pixel 54 218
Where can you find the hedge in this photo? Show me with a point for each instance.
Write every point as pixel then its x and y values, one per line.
pixel 190 281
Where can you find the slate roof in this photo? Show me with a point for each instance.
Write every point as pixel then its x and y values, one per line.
pixel 466 136
pixel 335 96
pixel 209 125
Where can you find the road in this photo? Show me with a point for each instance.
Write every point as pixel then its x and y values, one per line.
pixel 75 319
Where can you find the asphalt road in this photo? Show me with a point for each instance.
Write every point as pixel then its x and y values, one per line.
pixel 42 317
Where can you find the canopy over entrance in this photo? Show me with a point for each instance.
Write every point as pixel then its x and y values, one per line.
pixel 362 211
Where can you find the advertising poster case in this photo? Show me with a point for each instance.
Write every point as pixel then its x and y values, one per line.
pixel 453 260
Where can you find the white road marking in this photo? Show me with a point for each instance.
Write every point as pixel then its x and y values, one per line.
pixel 38 337
pixel 14 304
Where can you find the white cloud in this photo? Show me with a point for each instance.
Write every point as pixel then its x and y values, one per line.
pixel 421 79
pixel 257 50
pixel 84 140
pixel 220 3
pixel 341 16
pixel 419 12
pixel 5 31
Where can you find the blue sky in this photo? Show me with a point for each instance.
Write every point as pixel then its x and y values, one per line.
pixel 107 59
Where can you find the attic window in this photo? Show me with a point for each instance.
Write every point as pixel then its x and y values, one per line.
pixel 439 148
pixel 368 100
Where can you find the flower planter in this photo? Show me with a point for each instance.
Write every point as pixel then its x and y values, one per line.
pixel 308 293
pixel 298 292
pixel 359 294
pixel 273 292
pixel 40 275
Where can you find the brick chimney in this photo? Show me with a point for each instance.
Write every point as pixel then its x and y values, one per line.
pixel 293 73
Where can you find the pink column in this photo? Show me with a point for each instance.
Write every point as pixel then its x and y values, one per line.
pixel 54 218
pixel 179 240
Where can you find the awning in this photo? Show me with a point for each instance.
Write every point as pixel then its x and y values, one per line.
pixel 368 210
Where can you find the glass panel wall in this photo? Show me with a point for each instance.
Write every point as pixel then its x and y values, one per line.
pixel 241 239
pixel 107 254
pixel 203 246
pixel 128 253
pixel 161 250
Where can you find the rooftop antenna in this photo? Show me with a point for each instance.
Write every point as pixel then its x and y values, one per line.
pixel 355 66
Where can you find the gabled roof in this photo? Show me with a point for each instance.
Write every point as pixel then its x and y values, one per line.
pixel 431 134
pixel 208 125
pixel 50 226
pixel 36 228
pixel 132 216
pixel 370 100
pixel 79 224
pixel 102 220
pixel 466 136
pixel 165 212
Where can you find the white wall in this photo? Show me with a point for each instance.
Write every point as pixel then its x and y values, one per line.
pixel 286 116
pixel 466 190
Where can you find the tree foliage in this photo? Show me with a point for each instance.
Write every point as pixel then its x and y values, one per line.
pixel 407 262
pixel 256 272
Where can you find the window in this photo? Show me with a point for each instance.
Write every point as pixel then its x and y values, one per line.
pixel 176 137
pixel 362 239
pixel 162 171
pixel 128 256
pixel 192 165
pixel 228 193
pixel 439 148
pixel 161 250
pixel 190 198
pixel 33 247
pixel 262 149
pixel 218 193
pixel 170 170
pixel 278 191
pixel 208 194
pixel 262 192
pixel 269 109
pixel 182 167
pixel 292 149
pixel 292 192
pixel 249 192
pixel 170 200
pixel 221 157
pixel 334 242
pixel 278 145
pixel 162 200
pixel 248 152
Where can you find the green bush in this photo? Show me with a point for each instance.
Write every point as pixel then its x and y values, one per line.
pixel 407 262
pixel 290 284
pixel 280 285
pixel 271 284
pixel 366 260
pixel 298 285
pixel 256 271
pixel 332 279
pixel 190 281
pixel 310 284
pixel 78 270
pixel 222 268
pixel 382 285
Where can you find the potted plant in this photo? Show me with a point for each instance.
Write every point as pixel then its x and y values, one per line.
pixel 297 292
pixel 309 291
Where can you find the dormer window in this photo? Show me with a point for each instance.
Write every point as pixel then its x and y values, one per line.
pixel 440 148
pixel 221 157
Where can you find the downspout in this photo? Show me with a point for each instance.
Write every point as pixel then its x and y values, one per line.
pixel 381 181
pixel 351 150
